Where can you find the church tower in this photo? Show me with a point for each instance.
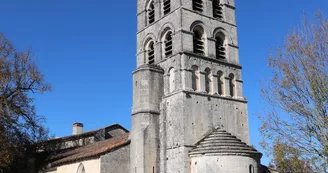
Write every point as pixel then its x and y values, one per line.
pixel 189 113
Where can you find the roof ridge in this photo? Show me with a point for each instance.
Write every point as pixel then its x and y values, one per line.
pixel 87 133
pixel 208 133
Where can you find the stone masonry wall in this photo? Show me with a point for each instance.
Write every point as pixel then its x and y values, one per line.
pixel 117 161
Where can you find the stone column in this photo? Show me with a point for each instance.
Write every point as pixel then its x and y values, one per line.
pixel 226 86
pixel 239 89
pixel 211 48
pixel 202 87
pixel 215 84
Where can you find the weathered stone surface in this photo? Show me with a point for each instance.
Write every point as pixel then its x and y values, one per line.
pixel 193 94
pixel 117 161
pixel 148 92
pixel 224 164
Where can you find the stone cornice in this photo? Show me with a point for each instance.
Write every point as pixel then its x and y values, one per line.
pixel 183 8
pixel 153 68
pixel 223 62
pixel 215 96
pixel 203 15
pixel 207 95
pixel 145 111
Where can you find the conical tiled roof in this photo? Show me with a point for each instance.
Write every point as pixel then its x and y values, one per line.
pixel 220 142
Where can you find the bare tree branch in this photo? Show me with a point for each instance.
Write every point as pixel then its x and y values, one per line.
pixel 20 127
pixel 298 95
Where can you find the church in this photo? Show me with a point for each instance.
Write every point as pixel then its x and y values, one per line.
pixel 189 114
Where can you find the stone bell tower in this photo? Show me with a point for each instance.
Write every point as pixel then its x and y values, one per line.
pixel 189 113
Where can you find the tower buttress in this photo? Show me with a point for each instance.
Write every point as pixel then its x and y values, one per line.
pixel 147 95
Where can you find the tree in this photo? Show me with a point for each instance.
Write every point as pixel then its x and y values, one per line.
pixel 287 159
pixel 20 126
pixel 298 95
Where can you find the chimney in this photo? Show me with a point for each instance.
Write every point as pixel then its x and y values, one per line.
pixel 77 128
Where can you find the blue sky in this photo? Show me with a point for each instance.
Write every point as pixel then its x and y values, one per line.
pixel 86 49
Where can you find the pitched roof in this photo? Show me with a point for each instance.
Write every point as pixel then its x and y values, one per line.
pixel 85 134
pixel 220 142
pixel 89 151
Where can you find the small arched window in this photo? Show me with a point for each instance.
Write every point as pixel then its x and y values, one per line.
pixel 251 169
pixel 198 40
pixel 220 82
pixel 167 6
pixel 195 78
pixel 208 80
pixel 167 44
pixel 151 12
pixel 197 5
pixel 80 169
pixel 232 84
pixel 219 46
pixel 217 9
pixel 171 80
pixel 150 53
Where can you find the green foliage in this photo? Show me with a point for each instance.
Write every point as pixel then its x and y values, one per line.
pixel 287 159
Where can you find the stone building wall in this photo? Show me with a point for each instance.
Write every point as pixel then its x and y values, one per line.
pixel 214 164
pixel 90 166
pixel 117 161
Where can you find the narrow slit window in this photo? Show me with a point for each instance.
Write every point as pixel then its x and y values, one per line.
pixel 167 6
pixel 217 9
pixel 220 82
pixel 151 53
pixel 251 169
pixel 168 44
pixel 219 46
pixel 197 5
pixel 232 85
pixel 81 168
pixel 151 13
pixel 198 41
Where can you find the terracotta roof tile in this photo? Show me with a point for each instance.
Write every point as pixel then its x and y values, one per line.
pixel 220 142
pixel 88 151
